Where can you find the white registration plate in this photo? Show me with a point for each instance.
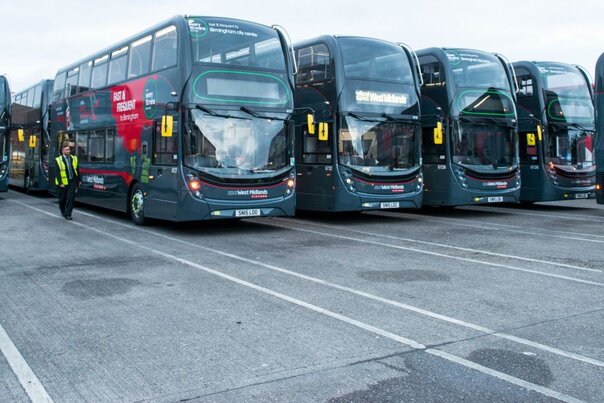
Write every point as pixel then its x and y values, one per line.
pixel 495 199
pixel 390 205
pixel 251 212
pixel 581 196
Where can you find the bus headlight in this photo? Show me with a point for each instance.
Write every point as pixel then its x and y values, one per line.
pixel 194 184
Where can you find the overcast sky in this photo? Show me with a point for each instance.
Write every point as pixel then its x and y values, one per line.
pixel 39 37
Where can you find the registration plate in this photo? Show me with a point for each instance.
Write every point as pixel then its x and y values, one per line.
pixel 251 212
pixel 390 205
pixel 581 196
pixel 495 199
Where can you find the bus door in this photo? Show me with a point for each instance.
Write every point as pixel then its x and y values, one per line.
pixel 316 169
pixel 159 172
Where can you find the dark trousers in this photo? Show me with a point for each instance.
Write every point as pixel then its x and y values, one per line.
pixel 66 196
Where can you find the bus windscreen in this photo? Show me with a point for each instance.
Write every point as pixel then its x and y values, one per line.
pixel 235 43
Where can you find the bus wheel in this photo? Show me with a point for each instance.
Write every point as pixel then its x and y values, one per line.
pixel 137 205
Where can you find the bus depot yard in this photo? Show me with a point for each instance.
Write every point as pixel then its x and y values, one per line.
pixel 477 303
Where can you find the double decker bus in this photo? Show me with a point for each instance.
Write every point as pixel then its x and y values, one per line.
pixel 556 126
pixel 361 151
pixel 469 128
pixel 599 143
pixel 188 120
pixel 5 124
pixel 30 137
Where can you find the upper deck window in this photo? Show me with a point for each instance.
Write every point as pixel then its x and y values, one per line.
pixel 140 56
pixel 117 66
pixel 165 48
pixel 71 85
pixel 236 43
pixel 314 63
pixel 374 60
pixel 99 72
pixel 59 86
pixel 85 73
pixel 563 80
pixel 477 69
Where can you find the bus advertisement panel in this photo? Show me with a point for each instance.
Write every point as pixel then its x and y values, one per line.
pixel 189 120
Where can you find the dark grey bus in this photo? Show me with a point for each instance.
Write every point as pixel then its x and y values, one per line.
pixel 30 138
pixel 188 120
pixel 362 150
pixel 556 131
pixel 469 128
pixel 5 123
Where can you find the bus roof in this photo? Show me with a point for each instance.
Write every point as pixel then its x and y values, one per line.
pixel 175 20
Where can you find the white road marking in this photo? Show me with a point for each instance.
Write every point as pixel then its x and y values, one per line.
pixel 417 310
pixel 375 330
pixel 500 227
pixel 26 376
pixel 578 217
pixel 444 255
pixel 440 245
pixel 504 377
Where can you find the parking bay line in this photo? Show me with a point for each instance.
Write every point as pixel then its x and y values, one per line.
pixel 501 227
pixel 372 329
pixel 441 245
pixel 410 308
pixel 417 310
pixel 25 375
pixel 443 255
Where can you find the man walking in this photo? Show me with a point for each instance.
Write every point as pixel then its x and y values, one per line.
pixel 67 179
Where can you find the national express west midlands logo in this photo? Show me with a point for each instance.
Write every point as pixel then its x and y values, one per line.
pixel 251 193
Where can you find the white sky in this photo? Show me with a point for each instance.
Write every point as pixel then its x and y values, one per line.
pixel 37 37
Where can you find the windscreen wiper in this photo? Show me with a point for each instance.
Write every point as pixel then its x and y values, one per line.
pixel 359 117
pixel 580 127
pixel 219 115
pixel 486 121
pixel 260 116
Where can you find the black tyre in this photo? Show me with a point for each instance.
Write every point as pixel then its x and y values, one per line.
pixel 136 205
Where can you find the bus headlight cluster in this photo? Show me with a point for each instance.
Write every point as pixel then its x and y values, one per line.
pixel 291 182
pixel 348 180
pixel 3 169
pixel 194 184
pixel 461 176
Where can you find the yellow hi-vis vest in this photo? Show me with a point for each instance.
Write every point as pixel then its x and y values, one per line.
pixel 63 169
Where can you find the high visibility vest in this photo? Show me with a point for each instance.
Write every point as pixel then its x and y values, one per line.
pixel 145 170
pixel 133 164
pixel 63 169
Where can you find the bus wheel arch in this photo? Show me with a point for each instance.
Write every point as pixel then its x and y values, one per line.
pixel 136 204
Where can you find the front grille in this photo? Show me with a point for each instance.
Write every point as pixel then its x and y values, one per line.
pixel 491 175
pixel 574 174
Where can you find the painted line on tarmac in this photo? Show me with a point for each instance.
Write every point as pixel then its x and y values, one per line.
pixel 443 255
pixel 527 259
pixel 506 227
pixel 578 217
pixel 411 308
pixel 372 329
pixel 26 376
pixel 504 377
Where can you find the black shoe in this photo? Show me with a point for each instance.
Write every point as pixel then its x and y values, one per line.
pixel 68 217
